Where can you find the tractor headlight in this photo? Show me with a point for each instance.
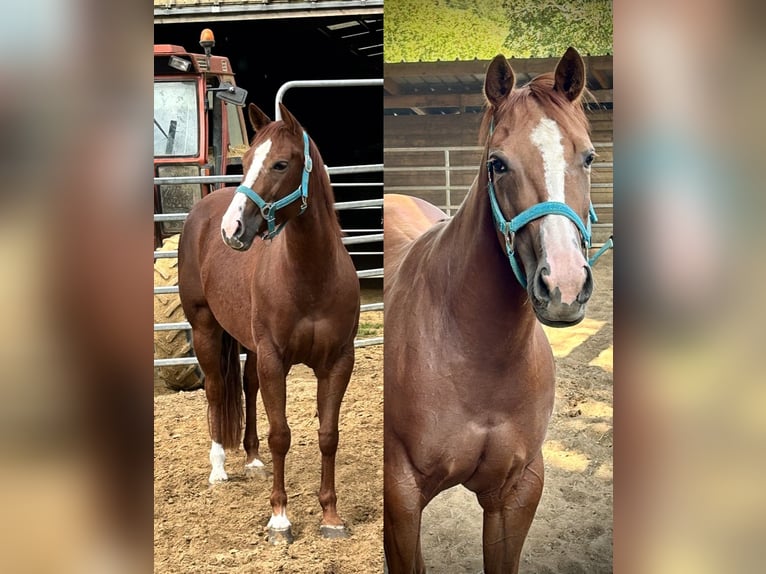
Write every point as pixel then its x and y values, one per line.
pixel 178 197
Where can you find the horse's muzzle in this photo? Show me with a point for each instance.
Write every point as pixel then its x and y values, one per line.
pixel 560 301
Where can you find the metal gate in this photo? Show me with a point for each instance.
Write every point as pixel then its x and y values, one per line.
pixel 369 236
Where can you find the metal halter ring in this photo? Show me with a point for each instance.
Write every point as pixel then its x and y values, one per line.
pixel 267 211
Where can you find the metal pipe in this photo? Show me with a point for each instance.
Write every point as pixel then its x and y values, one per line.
pixel 370 273
pixel 360 203
pixel 320 84
pixel 193 360
pixel 363 239
pixel 363 168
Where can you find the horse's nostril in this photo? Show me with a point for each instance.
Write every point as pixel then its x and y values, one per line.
pixel 587 288
pixel 540 287
pixel 238 231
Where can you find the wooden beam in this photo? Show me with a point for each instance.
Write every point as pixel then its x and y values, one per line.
pixel 532 66
pixel 431 100
pixel 390 86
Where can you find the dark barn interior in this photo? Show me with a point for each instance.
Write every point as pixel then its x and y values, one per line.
pixel 346 123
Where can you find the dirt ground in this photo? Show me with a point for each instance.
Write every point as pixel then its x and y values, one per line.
pixel 221 528
pixel 201 528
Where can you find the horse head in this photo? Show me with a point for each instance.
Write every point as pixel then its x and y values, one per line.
pixel 275 185
pixel 539 156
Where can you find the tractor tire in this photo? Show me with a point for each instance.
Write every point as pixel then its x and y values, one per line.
pixel 172 344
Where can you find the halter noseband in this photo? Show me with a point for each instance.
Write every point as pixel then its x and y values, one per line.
pixel 508 229
pixel 269 209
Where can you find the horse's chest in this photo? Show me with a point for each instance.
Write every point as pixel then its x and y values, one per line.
pixel 478 422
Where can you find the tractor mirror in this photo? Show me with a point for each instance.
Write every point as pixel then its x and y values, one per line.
pixel 231 94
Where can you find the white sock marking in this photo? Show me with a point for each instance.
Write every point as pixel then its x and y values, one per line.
pixel 255 464
pixel 279 521
pixel 217 459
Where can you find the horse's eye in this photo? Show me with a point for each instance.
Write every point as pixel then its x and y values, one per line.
pixel 498 166
pixel 589 158
pixel 280 166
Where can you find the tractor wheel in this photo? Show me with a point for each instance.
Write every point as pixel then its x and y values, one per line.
pixel 172 344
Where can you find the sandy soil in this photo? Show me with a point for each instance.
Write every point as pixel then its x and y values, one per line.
pixel 200 528
pixel 204 528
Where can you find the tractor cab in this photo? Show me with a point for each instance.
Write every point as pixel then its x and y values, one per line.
pixel 199 127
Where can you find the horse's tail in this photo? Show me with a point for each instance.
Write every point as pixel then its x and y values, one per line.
pixel 231 415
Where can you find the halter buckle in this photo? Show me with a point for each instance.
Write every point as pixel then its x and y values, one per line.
pixel 308 164
pixel 267 211
pixel 510 237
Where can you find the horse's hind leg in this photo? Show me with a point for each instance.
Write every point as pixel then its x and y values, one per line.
pixel 222 420
pixel 253 464
pixel 331 387
pixel 508 514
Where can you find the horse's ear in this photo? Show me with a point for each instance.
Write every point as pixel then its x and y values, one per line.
pixel 570 74
pixel 258 119
pixel 499 80
pixel 290 121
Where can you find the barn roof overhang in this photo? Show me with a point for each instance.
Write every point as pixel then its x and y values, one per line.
pixel 438 88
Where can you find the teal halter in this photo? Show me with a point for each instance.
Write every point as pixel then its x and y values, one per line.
pixel 269 209
pixel 508 229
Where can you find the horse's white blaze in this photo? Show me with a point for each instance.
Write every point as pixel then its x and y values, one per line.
pixel 259 156
pixel 232 218
pixel 547 137
pixel 559 236
pixel 217 459
pixel 279 521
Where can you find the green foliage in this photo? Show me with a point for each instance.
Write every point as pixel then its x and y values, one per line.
pixel 370 329
pixel 422 30
pixel 430 30
pixel 548 27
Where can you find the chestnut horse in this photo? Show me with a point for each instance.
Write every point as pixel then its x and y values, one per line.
pixel 290 298
pixel 469 373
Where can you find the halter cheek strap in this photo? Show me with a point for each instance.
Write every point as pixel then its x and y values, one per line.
pixel 269 209
pixel 508 229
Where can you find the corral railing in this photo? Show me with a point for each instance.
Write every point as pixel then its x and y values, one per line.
pixel 443 175
pixel 353 236
pixel 366 236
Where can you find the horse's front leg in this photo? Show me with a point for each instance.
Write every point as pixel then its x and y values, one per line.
pixel 271 376
pixel 508 514
pixel 331 387
pixel 403 503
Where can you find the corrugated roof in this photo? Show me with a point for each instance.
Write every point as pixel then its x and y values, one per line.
pixel 176 11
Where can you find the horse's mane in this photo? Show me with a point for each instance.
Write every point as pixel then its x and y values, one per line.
pixel 540 90
pixel 319 183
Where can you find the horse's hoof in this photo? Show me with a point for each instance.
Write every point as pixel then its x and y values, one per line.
pixel 256 470
pixel 280 536
pixel 217 476
pixel 328 531
pixel 257 473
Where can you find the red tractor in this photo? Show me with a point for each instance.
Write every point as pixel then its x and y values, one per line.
pixel 199 130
